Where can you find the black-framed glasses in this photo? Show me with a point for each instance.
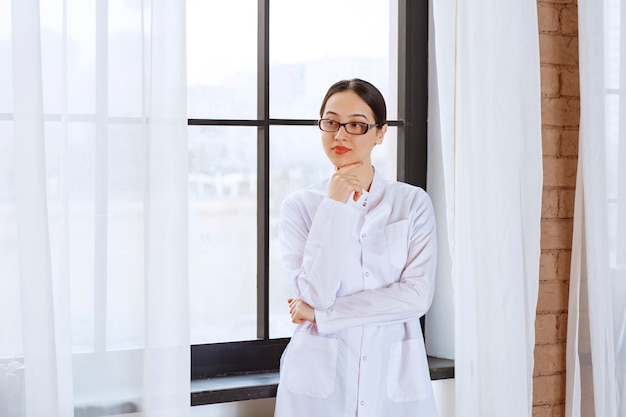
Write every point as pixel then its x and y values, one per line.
pixel 354 128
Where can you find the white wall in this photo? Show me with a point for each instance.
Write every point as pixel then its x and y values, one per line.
pixel 444 396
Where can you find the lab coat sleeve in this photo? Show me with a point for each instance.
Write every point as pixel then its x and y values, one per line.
pixel 312 254
pixel 406 299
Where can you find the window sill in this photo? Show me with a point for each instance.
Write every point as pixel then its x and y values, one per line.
pixel 263 385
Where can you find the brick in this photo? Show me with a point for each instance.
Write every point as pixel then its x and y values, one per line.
pixel 566 203
pixel 548 17
pixel 560 107
pixel 559 172
pixel 560 111
pixel 550 204
pixel 546 328
pixel 561 326
pixel 550 81
pixel 558 50
pixel 568 145
pixel 569 81
pixel 549 389
pixel 563 265
pixel 550 410
pixel 548 265
pixel 551 328
pixel 553 297
pixel 556 234
pixel 550 140
pixel 549 359
pixel 558 410
pixel 542 410
pixel 569 20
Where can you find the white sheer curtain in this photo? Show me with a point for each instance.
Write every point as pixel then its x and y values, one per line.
pixel 596 339
pixel 93 209
pixel 485 175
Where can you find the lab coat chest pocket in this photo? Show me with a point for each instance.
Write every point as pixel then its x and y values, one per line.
pixel 408 377
pixel 396 235
pixel 311 365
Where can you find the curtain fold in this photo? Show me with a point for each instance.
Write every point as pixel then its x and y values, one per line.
pixel 36 296
pixel 167 381
pixel 486 152
pixel 93 209
pixel 596 339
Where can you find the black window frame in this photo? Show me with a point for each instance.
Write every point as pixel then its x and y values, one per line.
pixel 263 354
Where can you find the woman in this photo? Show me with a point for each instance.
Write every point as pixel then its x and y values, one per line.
pixel 361 252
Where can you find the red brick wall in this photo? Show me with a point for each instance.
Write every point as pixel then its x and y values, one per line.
pixel 560 104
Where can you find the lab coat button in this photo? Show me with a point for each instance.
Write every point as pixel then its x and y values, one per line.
pixel 364 358
pixel 362 402
pixel 367 274
pixel 363 234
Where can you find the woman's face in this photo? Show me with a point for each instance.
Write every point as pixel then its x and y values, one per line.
pixel 341 147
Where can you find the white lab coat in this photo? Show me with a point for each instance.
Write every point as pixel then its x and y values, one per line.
pixel 368 269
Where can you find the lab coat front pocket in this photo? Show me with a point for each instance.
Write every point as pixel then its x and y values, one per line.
pixel 396 235
pixel 408 377
pixel 311 365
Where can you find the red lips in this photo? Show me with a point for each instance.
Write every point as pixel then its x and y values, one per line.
pixel 340 150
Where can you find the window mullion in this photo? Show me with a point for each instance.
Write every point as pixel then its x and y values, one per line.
pixel 263 172
pixel 412 91
pixel 413 94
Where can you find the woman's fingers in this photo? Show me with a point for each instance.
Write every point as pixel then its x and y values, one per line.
pixel 342 185
pixel 300 311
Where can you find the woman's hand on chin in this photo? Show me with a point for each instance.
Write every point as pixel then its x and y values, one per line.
pixel 344 182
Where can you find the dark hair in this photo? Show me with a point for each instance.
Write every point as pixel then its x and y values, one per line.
pixel 368 93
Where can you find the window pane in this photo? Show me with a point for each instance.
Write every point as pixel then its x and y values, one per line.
pixel 294 164
pixel 102 231
pixel 70 170
pixel 125 236
pixel 222 233
pixel 221 59
pixel 314 44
